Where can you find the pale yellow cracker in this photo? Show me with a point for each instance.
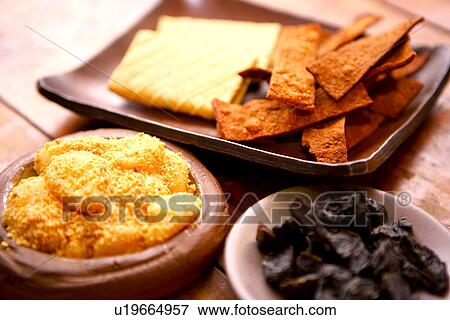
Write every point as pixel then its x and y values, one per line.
pixel 188 62
pixel 258 38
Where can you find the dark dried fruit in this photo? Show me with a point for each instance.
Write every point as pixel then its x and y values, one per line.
pixel 345 251
pixel 292 233
pixel 332 278
pixel 395 286
pixel 360 288
pixel 405 224
pixel 302 287
pixel 266 240
pixel 278 266
pixel 350 249
pixel 319 246
pixel 338 209
pixel 351 209
pixel 395 230
pixel 386 258
pixel 301 211
pixel 377 213
pixel 306 263
pixel 423 268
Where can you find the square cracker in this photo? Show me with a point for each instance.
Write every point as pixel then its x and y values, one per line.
pixel 290 82
pixel 326 141
pixel 183 71
pixel 268 118
pixel 338 71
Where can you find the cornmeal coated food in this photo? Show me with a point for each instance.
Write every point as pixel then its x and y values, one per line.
pixel 93 166
pixel 188 62
pixel 290 82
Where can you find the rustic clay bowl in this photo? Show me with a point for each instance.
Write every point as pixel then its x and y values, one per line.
pixel 243 260
pixel 152 273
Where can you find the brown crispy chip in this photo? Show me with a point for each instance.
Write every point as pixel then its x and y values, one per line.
pixel 256 73
pixel 400 56
pixel 265 73
pixel 267 118
pixel 326 141
pixel 348 33
pixel 338 71
pixel 291 83
pixel 359 125
pixel 324 35
pixel 391 97
pixel 411 67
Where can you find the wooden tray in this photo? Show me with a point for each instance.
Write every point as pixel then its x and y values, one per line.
pixel 152 273
pixel 84 91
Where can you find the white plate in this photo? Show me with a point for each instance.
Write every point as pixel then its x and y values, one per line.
pixel 243 260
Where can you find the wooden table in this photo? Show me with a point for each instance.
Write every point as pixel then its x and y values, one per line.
pixel 27 120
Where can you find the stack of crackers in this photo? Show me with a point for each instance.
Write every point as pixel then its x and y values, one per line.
pixel 336 89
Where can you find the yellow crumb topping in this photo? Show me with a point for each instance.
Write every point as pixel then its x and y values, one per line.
pixel 137 176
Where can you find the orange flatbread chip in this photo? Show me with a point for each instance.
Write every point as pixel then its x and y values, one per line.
pixel 326 141
pixel 348 33
pixel 411 67
pixel 259 73
pixel 338 71
pixel 256 73
pixel 268 118
pixel 391 97
pixel 360 125
pixel 291 83
pixel 400 56
pixel 324 35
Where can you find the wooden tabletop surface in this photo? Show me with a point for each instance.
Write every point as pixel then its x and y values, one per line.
pixel 27 120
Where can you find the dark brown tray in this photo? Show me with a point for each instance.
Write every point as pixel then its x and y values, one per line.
pixel 84 91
